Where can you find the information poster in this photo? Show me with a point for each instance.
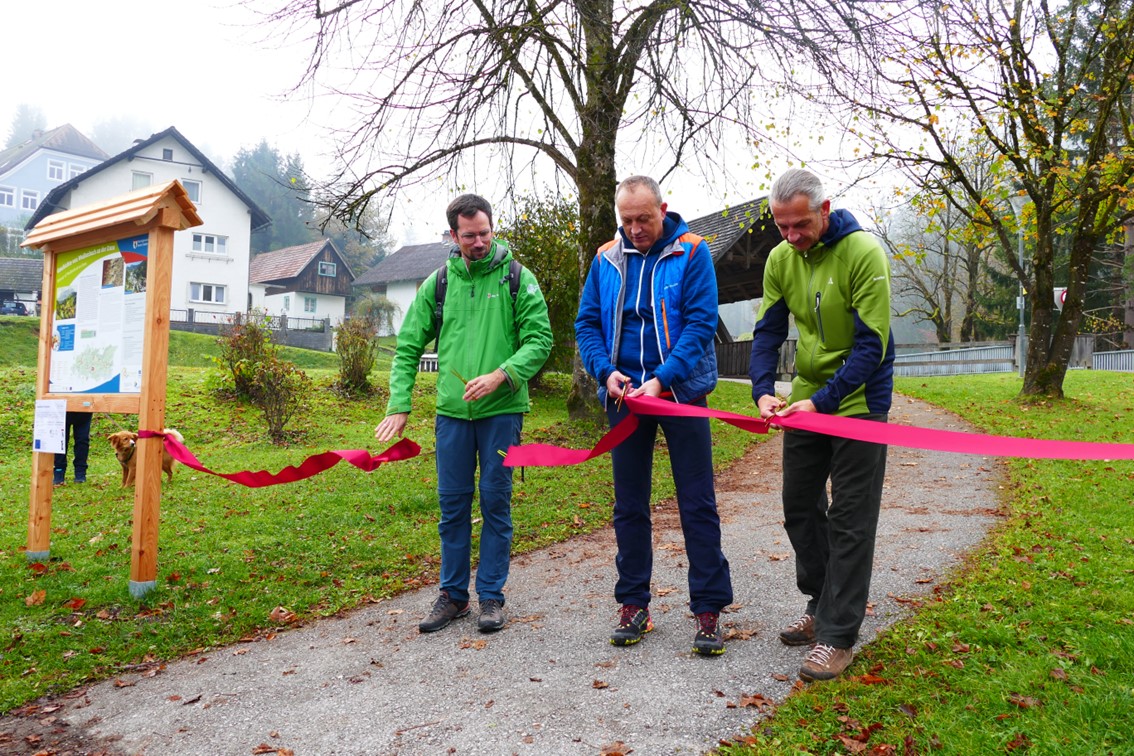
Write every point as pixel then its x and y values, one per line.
pixel 49 431
pixel 100 308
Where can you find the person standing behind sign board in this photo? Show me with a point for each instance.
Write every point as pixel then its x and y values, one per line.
pixel 488 349
pixel 78 424
pixel 646 323
pixel 835 279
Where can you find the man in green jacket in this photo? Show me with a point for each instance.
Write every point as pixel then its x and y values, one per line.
pixel 834 278
pixel 488 348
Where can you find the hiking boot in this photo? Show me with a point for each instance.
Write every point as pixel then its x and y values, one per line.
pixel 57 478
pixel 444 611
pixel 633 623
pixel 799 633
pixel 707 641
pixel 491 616
pixel 825 662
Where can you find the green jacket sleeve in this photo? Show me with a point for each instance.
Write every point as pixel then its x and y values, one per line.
pixel 418 329
pixel 533 332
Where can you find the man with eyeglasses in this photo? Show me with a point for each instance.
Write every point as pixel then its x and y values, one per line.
pixel 488 347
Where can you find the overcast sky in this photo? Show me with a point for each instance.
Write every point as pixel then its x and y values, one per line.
pixel 203 67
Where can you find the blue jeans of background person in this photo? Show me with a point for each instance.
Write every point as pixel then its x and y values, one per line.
pixel 834 545
pixel 79 425
pixel 691 460
pixel 460 445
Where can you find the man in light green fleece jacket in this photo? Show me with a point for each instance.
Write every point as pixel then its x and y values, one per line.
pixel 490 345
pixel 834 278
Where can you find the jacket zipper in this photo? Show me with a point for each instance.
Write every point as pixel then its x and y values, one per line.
pixel 665 323
pixel 819 317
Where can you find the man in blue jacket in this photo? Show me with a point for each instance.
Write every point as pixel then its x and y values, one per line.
pixel 646 323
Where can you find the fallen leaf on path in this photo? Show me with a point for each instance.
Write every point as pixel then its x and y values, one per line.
pixel 599 685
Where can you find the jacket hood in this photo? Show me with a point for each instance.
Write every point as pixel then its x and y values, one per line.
pixel 840 224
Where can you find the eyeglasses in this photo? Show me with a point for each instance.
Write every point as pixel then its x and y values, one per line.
pixel 468 237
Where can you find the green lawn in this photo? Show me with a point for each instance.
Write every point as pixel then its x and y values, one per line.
pixel 1030 647
pixel 229 555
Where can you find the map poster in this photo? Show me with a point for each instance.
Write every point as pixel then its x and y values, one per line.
pixel 100 308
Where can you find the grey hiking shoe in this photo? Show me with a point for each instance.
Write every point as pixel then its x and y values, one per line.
pixel 491 616
pixel 444 611
pixel 799 633
pixel 825 662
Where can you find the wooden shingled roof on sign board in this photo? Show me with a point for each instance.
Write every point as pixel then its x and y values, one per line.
pixel 166 205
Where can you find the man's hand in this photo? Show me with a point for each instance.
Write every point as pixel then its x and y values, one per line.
pixel 769 405
pixel 802 406
pixel 616 384
pixel 483 385
pixel 651 387
pixel 391 425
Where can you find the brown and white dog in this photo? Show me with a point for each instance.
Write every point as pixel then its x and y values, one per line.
pixel 124 443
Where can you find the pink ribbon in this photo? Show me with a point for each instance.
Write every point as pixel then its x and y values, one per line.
pixel 544 455
pixel 313 465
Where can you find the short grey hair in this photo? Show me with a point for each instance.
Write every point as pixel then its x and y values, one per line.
pixel 797 181
pixel 639 182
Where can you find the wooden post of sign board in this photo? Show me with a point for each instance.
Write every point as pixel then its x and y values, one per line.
pixel 158 212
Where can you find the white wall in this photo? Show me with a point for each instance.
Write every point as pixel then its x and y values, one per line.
pixel 223 213
pixel 326 306
pixel 402 294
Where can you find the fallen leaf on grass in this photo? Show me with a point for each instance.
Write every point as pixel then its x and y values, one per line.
pixel 75 604
pixel 36 598
pixel 1020 741
pixel 1024 702
pixel 869 679
pixel 283 615
pixel 1059 674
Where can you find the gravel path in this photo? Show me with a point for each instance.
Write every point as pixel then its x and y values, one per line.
pixel 549 683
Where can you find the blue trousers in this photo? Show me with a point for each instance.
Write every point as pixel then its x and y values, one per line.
pixel 834 544
pixel 691 460
pixel 460 445
pixel 79 425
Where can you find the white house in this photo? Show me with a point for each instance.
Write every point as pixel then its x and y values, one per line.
pixel 210 262
pixel 400 274
pixel 29 171
pixel 306 281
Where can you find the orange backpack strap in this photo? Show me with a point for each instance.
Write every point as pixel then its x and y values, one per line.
pixel 606 246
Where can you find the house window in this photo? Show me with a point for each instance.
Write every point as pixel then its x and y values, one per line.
pixel 7 196
pixel 210 244
pixel 309 304
pixel 141 180
pixel 76 170
pixel 56 170
pixel 287 303
pixel 327 269
pixel 167 154
pixel 193 189
pixel 29 199
pixel 201 292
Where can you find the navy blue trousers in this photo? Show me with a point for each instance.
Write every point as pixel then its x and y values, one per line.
pixel 691 460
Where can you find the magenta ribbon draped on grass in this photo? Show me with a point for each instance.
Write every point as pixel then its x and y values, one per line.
pixel 313 465
pixel 546 455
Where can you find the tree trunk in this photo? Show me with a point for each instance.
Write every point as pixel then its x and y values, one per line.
pixel 596 181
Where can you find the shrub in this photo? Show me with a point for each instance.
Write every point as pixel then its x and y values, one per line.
pixel 245 344
pixel 355 341
pixel 280 390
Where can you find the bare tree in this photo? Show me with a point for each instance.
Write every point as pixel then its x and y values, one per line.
pixel 572 82
pixel 1048 86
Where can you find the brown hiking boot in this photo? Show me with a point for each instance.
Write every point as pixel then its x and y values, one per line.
pixel 799 633
pixel 825 662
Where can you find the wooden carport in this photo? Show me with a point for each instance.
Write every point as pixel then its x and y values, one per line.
pixel 740 237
